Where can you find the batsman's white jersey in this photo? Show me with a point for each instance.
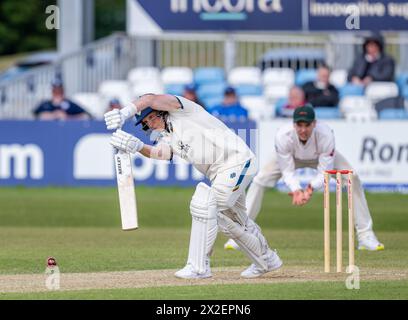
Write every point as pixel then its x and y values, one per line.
pixel 203 140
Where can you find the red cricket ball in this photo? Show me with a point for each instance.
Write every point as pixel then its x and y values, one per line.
pixel 51 262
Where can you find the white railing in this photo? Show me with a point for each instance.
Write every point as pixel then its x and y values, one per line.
pixel 108 58
pixel 114 56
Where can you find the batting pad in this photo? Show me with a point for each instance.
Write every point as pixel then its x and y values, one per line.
pixel 203 209
pixel 249 238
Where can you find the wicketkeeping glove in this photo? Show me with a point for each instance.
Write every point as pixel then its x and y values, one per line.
pixel 126 142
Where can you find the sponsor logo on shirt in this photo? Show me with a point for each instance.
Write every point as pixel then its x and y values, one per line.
pixel 184 149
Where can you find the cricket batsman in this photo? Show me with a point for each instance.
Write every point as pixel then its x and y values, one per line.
pixel 308 143
pixel 188 131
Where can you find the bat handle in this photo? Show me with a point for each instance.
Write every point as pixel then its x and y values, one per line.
pixel 116 150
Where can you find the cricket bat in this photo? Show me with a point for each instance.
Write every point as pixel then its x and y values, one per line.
pixel 126 190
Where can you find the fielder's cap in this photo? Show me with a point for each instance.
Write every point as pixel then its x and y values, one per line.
pixel 229 90
pixel 143 114
pixel 305 113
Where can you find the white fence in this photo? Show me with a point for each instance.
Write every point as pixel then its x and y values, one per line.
pixel 109 58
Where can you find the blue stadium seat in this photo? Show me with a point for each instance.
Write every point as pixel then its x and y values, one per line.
pixel 394 114
pixel 404 92
pixel 248 90
pixel 305 75
pixel 327 112
pixel 211 90
pixel 351 90
pixel 207 75
pixel 212 102
pixel 280 103
pixel 175 89
pixel 402 81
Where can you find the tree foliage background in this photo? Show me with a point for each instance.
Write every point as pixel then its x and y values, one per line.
pixel 22 23
pixel 22 26
pixel 110 16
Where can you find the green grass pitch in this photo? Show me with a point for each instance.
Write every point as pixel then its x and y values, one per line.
pixel 81 228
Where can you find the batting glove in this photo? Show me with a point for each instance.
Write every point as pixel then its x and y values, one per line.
pixel 116 118
pixel 126 142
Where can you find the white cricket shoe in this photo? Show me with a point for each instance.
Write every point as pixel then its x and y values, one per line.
pixel 189 273
pixel 368 241
pixel 273 262
pixel 231 245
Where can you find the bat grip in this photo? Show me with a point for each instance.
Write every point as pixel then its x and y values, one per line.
pixel 116 150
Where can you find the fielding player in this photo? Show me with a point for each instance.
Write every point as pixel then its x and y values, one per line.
pixel 191 133
pixel 308 143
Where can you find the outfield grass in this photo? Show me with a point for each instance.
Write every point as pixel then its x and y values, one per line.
pixel 169 207
pixel 24 250
pixel 378 290
pixel 81 228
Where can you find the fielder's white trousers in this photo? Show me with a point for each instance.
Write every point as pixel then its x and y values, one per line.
pixel 269 175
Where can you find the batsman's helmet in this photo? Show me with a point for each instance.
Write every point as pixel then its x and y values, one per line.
pixel 143 114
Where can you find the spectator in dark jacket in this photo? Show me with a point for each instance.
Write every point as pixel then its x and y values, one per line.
pixel 59 107
pixel 373 64
pixel 321 93
pixel 230 108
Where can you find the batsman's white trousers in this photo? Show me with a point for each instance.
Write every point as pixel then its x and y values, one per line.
pixel 269 175
pixel 224 202
pixel 229 188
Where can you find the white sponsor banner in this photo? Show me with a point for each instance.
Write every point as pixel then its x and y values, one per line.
pixel 93 160
pixel 21 161
pixel 378 150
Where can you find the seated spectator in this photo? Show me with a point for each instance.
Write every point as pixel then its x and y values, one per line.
pixel 296 99
pixel 321 93
pixel 191 94
pixel 59 107
pixel 114 104
pixel 230 108
pixel 373 64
